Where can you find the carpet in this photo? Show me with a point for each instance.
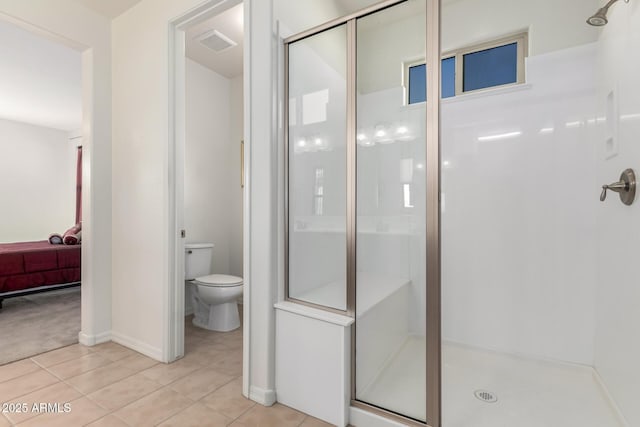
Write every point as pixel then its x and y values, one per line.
pixel 38 323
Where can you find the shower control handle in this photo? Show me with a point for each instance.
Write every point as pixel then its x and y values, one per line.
pixel 616 186
pixel 626 187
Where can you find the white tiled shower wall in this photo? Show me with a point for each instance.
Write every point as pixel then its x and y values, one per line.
pixel 519 207
pixel 618 226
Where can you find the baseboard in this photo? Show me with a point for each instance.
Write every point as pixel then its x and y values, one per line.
pixel 139 346
pixel 610 400
pixel 262 396
pixel 361 418
pixel 91 340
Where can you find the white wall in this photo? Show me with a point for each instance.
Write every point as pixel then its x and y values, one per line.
pixel 41 80
pixel 236 191
pixel 552 25
pixel 208 173
pixel 618 226
pixel 518 243
pixel 38 170
pixel 90 33
pixel 141 255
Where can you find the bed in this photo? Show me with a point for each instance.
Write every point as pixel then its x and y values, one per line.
pixel 33 267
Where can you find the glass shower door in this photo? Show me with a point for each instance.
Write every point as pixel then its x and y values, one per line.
pixel 391 210
pixel 317 168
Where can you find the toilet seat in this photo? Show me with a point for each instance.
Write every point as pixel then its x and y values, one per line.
pixel 219 280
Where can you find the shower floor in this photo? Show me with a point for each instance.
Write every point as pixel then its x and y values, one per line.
pixel 531 393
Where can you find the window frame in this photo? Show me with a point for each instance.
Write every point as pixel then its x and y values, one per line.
pixel 522 42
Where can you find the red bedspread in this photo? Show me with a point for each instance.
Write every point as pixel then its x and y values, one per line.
pixel 32 264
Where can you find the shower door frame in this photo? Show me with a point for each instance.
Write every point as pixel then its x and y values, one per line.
pixel 433 173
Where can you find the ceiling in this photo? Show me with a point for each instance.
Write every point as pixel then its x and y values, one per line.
pixel 40 80
pixel 109 8
pixel 227 63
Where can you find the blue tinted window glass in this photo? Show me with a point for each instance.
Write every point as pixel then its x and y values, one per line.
pixel 417 84
pixel 491 67
pixel 449 77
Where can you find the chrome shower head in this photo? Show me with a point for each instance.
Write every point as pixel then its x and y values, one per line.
pixel 599 19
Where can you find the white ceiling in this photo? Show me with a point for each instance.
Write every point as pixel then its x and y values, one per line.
pixel 109 8
pixel 229 62
pixel 40 80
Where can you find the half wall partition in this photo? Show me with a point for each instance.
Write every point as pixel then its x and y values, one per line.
pixel 362 208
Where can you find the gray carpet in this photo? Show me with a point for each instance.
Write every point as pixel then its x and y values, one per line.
pixel 37 323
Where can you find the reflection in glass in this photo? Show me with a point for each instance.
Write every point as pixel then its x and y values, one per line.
pixel 390 278
pixel 317 169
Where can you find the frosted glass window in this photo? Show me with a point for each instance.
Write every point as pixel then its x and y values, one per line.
pixel 490 67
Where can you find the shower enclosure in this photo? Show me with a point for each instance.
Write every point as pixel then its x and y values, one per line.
pixel 444 165
pixel 357 195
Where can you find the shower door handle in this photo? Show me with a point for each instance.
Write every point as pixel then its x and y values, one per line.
pixel 626 187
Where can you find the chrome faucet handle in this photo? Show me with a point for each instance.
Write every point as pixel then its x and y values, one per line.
pixel 618 187
pixel 626 187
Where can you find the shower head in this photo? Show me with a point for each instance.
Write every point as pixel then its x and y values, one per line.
pixel 599 19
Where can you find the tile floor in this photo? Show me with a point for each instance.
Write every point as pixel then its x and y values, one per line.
pixel 111 386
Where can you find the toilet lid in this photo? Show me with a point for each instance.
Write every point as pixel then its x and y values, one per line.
pixel 220 280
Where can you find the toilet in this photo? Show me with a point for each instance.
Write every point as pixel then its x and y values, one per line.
pixel 214 296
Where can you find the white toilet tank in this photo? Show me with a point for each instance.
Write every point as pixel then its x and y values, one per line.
pixel 197 260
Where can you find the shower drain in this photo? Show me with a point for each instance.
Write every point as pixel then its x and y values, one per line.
pixel 486 396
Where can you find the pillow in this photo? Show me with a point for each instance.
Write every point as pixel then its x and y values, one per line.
pixel 73 235
pixel 71 239
pixel 55 239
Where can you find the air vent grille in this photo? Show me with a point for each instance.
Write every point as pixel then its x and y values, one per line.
pixel 216 41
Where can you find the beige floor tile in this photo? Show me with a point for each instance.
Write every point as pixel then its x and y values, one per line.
pixel 204 355
pixel 72 368
pixel 200 383
pixel 55 393
pixel 154 408
pixel 108 421
pixel 17 369
pixel 233 342
pixel 121 393
pixel 101 377
pixel 229 363
pixel 168 373
pixel 138 362
pixel 314 422
pixel 26 384
pixel 112 351
pixel 228 400
pixel 274 416
pixel 82 412
pixel 60 355
pixel 197 415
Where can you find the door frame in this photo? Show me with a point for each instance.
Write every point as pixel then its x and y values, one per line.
pixel 174 299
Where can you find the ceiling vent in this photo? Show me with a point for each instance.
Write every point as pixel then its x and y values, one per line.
pixel 216 41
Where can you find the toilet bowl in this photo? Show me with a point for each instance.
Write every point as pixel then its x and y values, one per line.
pixel 214 297
pixel 215 302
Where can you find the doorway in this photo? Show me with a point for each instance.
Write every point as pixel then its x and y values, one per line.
pixel 41 165
pixel 208 185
